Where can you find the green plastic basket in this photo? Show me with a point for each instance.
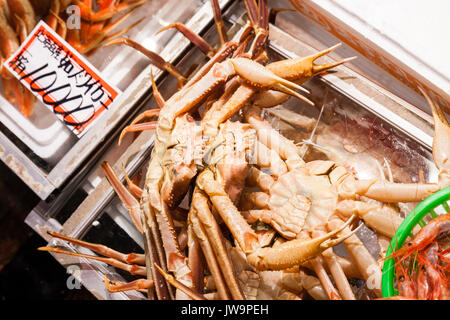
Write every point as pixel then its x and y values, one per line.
pixel 416 217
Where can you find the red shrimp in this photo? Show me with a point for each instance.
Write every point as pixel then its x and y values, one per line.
pixel 405 284
pixel 436 229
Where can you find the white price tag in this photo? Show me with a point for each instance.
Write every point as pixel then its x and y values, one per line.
pixel 61 78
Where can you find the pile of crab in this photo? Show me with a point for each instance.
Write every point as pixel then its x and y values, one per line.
pixel 99 22
pixel 261 222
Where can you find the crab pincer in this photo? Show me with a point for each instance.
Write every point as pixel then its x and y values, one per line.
pixel 296 251
pixel 259 76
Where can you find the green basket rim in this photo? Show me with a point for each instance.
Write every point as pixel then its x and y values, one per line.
pixel 403 231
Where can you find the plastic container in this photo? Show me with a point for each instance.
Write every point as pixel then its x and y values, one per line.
pixel 416 217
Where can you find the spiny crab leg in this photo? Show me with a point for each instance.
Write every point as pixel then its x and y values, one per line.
pixel 177 284
pixel 125 196
pixel 296 251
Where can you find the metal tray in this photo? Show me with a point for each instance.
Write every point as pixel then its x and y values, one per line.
pixel 403 138
pixel 43 152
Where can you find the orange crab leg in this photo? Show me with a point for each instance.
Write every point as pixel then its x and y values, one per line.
pixel 155 58
pixel 131 268
pixel 139 285
pixel 125 196
pixel 130 258
pixel 198 41
pixel 219 22
pixel 177 284
pixel 137 128
pixel 132 186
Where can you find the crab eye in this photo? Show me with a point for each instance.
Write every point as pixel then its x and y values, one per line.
pixel 401 278
pixel 410 244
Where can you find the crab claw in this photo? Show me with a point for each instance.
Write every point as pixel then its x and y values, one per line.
pixel 295 252
pixel 441 147
pixel 303 68
pixel 259 76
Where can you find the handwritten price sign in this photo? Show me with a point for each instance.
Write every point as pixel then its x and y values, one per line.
pixel 61 78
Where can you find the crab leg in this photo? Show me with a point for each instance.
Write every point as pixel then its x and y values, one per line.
pixel 441 148
pixel 366 264
pixel 155 251
pixel 219 22
pixel 155 58
pixel 196 259
pixel 131 268
pixel 198 41
pixel 138 127
pixel 296 251
pixel 383 219
pixel 209 255
pixel 261 29
pixel 338 275
pixel 258 178
pixel 393 192
pixel 267 158
pixel 298 70
pixel 131 258
pixel 212 230
pixel 274 140
pixel 156 94
pixel 146 114
pixel 241 231
pixel 313 286
pixel 125 196
pixel 319 268
pixel 179 285
pixel 139 285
